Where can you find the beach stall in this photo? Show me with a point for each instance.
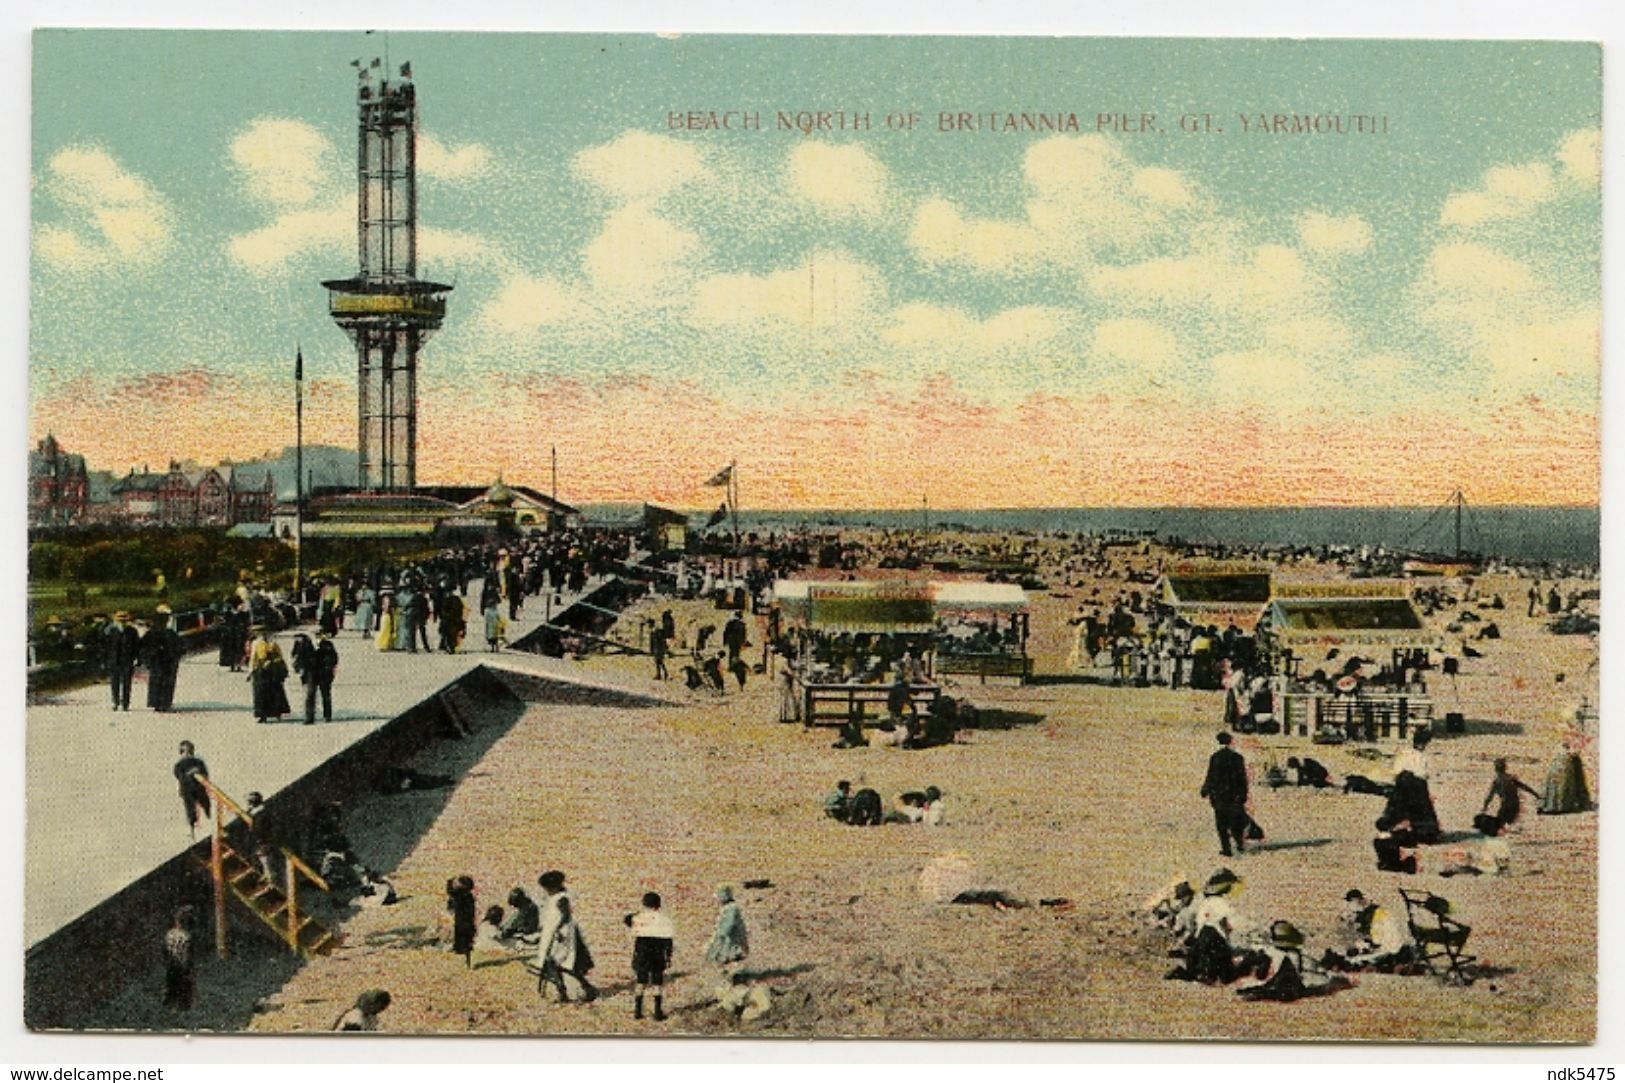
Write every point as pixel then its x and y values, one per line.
pixel 1348 661
pixel 852 641
pixel 1216 595
pixel 981 630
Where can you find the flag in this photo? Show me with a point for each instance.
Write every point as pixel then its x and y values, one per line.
pixel 723 476
pixel 406 70
pixel 377 63
pixel 298 365
pixel 717 516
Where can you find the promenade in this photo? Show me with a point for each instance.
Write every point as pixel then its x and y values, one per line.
pixel 103 805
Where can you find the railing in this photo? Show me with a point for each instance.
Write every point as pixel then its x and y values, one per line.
pixel 295 867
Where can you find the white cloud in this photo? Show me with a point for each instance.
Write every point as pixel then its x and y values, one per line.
pixel 828 290
pixel 1269 276
pixel 294 234
pixel 1326 235
pixel 1140 343
pixel 1512 192
pixel 1085 197
pixel 952 331
pixel 525 304
pixel 638 165
pixel 113 217
pixel 441 162
pixel 838 180
pixel 942 235
pixel 638 252
pixel 1581 155
pixel 284 163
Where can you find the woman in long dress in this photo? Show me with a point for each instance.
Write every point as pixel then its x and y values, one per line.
pixel 366 602
pixel 267 670
pixel 388 619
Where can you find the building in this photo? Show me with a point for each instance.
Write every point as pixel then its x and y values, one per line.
pixel 58 485
pixel 200 496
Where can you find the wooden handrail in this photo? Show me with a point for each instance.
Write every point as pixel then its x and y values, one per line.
pixel 295 867
pixel 220 798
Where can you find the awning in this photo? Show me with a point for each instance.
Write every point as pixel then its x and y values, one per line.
pixel 896 606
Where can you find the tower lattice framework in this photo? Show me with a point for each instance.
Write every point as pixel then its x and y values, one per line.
pixel 388 312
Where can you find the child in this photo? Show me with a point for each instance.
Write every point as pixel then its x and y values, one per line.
pixel 651 952
pixel 460 902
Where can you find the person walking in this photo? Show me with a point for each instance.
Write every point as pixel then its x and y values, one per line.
pixel 657 651
pixel 562 949
pixel 123 648
pixel 652 940
pixel 267 671
pixel 194 797
pixel 729 944
pixel 161 650
pixel 452 621
pixel 734 637
pixel 1225 788
pixel 316 664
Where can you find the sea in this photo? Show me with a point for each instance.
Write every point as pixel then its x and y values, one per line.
pixel 1568 535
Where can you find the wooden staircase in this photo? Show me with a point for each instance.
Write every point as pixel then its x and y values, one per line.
pixel 277 907
pixel 301 932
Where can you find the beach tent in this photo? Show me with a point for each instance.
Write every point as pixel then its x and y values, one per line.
pixel 1217 598
pixel 896 606
pixel 1299 624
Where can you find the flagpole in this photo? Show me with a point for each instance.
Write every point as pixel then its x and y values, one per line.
pixel 299 476
pixel 733 499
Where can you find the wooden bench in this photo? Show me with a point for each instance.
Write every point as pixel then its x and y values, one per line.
pixel 983 666
pixel 835 704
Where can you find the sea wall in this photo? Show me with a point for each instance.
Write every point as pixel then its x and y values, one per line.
pixel 71 973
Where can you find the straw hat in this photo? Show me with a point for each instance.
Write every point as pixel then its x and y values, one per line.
pixel 1221 882
pixel 1284 934
pixel 122 615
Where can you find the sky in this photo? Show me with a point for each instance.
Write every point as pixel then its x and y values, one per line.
pixel 1124 314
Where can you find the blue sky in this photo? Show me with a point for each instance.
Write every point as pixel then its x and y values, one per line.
pixel 191 189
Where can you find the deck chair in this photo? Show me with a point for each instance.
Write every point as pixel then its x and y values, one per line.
pixel 1441 940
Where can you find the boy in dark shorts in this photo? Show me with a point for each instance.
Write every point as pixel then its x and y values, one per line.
pixel 651 952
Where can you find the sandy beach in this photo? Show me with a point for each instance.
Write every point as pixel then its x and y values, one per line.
pixel 1090 796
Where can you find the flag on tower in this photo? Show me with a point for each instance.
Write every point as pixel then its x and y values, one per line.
pixel 723 476
pixel 717 516
pixel 406 70
pixel 298 364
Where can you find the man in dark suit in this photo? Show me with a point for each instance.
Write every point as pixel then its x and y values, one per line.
pixel 123 649
pixel 1226 790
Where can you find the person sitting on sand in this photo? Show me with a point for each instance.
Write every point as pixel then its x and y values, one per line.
pixel 712 667
pixel 1290 977
pixel 1211 954
pixel 935 812
pixel 1167 906
pixel 364 1016
pixel 524 916
pixel 865 809
pixel 910 809
pixel 852 733
pixel 837 801
pixel 889 735
pixel 1504 794
pixel 1309 772
pixel 488 936
pixel 1377 938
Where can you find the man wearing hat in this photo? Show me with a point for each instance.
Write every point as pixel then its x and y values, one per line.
pixel 161 650
pixel 316 666
pixel 123 648
pixel 1226 790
